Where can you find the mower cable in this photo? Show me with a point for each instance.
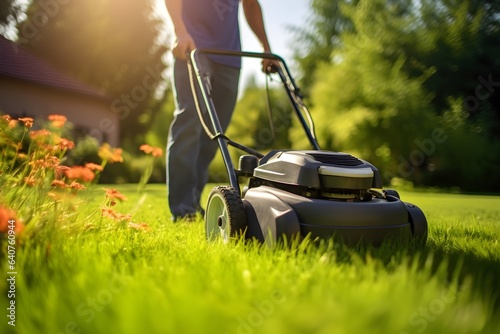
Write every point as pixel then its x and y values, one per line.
pixel 298 99
pixel 269 108
pixel 309 120
pixel 197 102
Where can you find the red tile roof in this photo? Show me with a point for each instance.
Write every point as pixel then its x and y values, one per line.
pixel 18 63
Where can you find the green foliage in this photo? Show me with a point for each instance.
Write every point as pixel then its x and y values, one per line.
pixel 466 153
pixel 159 122
pixel 460 39
pixel 319 37
pixel 134 165
pixel 133 169
pixel 84 151
pixel 365 103
pixel 386 89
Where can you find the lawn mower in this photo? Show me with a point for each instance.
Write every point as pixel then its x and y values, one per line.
pixel 296 193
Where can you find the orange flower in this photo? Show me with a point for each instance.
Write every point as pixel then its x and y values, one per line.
pixel 77 186
pixel 54 196
pixel 52 161
pixel 28 121
pixel 108 213
pixel 115 194
pixel 6 217
pixel 58 120
pixel 140 226
pixel 93 166
pixel 112 214
pixel 61 169
pixel 11 123
pixel 109 154
pixel 146 148
pixel 38 163
pixel 122 217
pixel 30 181
pixel 48 162
pixel 154 151
pixel 65 144
pixel 157 152
pixel 39 134
pixel 79 173
pixel 58 183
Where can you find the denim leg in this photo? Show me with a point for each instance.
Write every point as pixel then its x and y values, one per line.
pixel 183 146
pixel 189 150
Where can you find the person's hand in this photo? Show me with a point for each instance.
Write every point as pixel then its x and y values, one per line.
pixel 270 65
pixel 183 45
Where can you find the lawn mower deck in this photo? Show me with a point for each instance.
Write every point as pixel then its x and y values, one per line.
pixel 324 194
pixel 298 193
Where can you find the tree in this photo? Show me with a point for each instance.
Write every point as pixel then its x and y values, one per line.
pixel 319 37
pixel 459 39
pixel 364 102
pixel 113 45
pixel 464 49
pixel 397 77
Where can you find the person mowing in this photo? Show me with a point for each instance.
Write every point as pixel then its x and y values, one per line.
pixel 203 24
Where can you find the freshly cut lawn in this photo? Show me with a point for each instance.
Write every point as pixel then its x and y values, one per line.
pixel 108 279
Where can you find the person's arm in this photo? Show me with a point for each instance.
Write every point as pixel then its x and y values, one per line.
pixel 184 42
pixel 254 17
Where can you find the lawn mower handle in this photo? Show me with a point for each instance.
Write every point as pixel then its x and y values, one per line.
pixel 291 89
pixel 288 80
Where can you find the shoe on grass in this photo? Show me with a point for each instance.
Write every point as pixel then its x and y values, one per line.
pixel 187 218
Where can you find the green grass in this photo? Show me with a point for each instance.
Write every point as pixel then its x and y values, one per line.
pixel 170 280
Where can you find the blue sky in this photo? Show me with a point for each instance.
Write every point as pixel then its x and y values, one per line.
pixel 278 15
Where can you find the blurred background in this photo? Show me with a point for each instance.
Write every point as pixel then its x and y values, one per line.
pixel 411 86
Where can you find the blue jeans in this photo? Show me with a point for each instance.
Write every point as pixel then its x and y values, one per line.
pixel 189 149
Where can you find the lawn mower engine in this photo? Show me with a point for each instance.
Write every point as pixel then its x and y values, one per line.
pixel 324 194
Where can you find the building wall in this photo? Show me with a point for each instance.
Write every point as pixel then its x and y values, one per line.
pixel 90 114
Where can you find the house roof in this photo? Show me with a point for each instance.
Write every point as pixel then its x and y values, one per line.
pixel 18 63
